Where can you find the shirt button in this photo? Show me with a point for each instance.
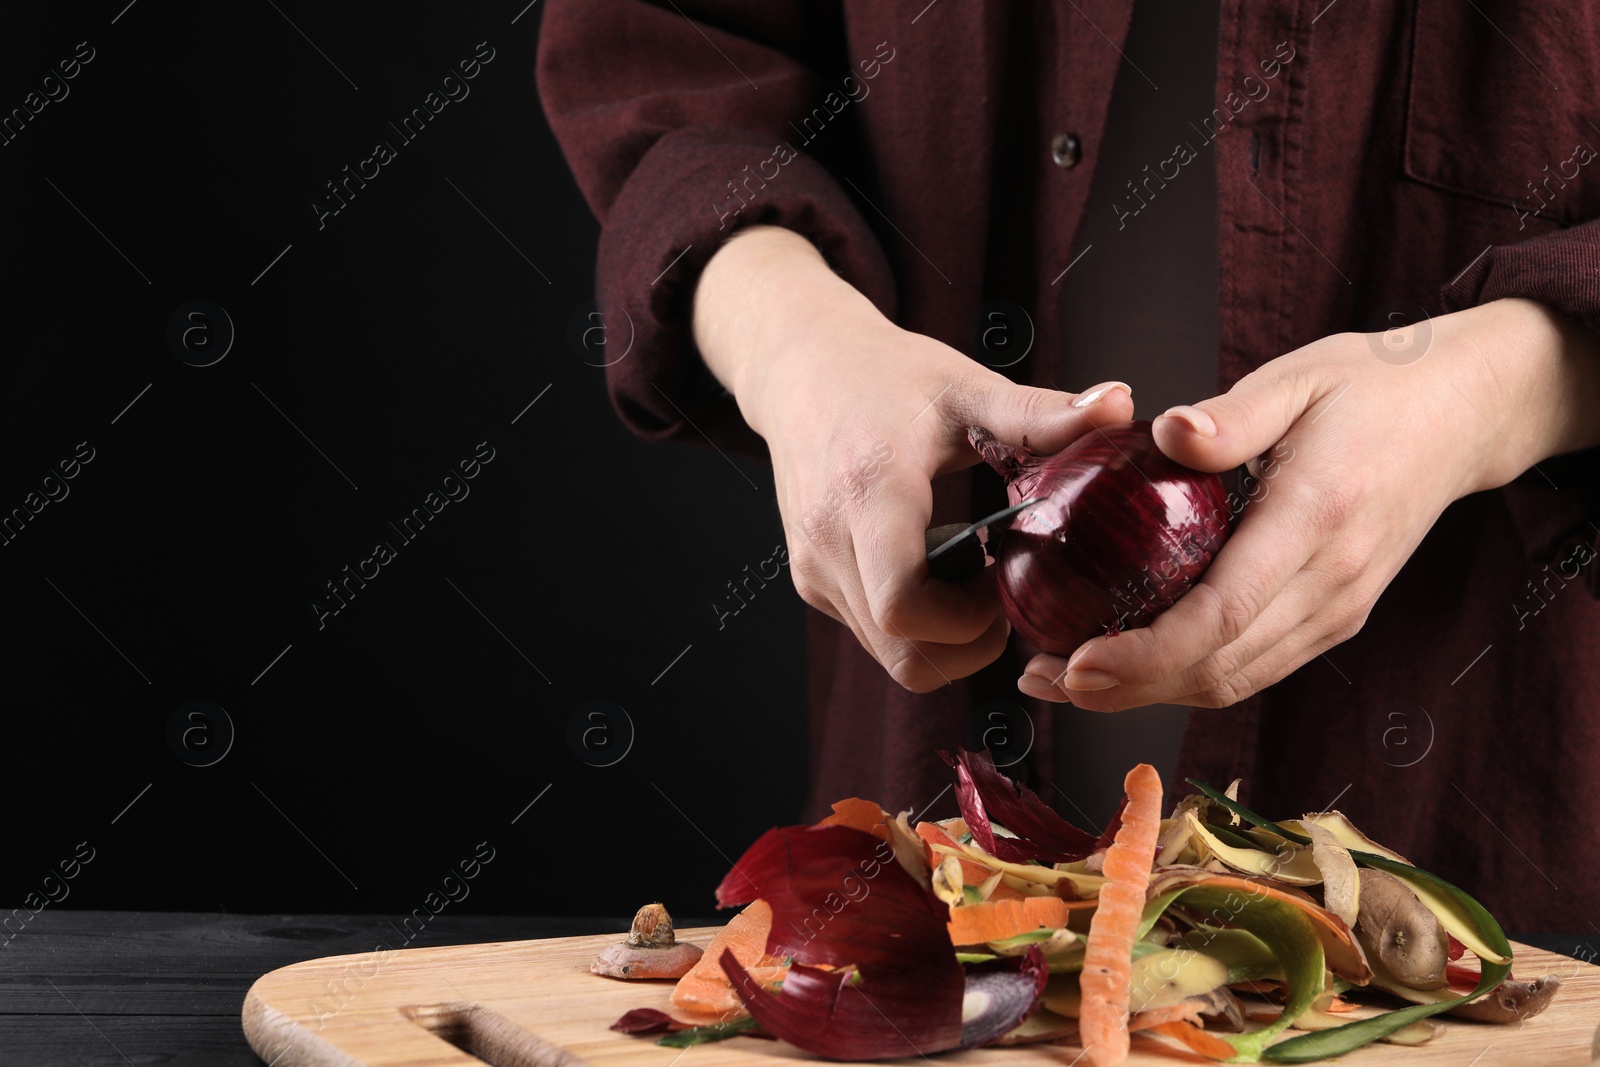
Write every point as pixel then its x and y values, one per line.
pixel 1066 150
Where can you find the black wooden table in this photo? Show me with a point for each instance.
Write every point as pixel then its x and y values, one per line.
pixel 118 987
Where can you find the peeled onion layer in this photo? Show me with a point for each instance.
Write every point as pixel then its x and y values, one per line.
pixel 873 974
pixel 985 795
pixel 1121 534
pixel 643 1021
pixel 1000 996
pixel 831 1013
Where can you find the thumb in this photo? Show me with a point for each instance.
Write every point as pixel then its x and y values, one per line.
pixel 1047 420
pixel 1228 430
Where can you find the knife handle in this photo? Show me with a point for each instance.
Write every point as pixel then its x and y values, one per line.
pixel 962 561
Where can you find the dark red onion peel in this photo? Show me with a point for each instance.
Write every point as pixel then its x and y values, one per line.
pixel 839 898
pixel 984 794
pixel 1110 834
pixel 1123 532
pixel 643 1021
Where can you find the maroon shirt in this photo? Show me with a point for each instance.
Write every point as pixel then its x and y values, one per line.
pixel 1369 155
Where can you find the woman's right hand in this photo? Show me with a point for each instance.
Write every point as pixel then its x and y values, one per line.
pixel 859 416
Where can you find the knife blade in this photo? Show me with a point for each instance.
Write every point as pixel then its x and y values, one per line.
pixel 956 552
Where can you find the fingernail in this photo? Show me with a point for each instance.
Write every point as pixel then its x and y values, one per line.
pixel 1043 670
pixel 1098 393
pixel 1090 680
pixel 1040 689
pixel 1197 420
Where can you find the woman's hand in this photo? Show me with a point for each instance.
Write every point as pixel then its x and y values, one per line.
pixel 1357 456
pixel 859 416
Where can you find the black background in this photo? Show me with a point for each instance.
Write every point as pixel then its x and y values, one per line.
pixel 375 354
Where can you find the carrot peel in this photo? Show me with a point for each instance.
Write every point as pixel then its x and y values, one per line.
pixel 1108 960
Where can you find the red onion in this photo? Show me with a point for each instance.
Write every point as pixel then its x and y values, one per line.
pixel 1123 532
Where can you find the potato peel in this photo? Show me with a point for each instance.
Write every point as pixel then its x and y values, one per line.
pixel 1341 884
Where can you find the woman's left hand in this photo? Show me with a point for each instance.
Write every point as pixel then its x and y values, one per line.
pixel 1359 442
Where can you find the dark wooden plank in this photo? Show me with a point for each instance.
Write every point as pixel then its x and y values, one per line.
pixel 1585 947
pixel 144 963
pixel 118 1040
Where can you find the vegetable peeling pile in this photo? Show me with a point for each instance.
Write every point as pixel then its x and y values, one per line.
pixel 1212 931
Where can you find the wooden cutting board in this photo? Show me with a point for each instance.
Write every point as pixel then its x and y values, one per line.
pixel 535 1004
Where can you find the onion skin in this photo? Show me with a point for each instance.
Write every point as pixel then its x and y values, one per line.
pixel 984 795
pixel 1122 533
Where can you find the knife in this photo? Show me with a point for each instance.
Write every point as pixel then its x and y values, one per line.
pixel 956 552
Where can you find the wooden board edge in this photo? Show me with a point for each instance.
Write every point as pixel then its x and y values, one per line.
pixel 271 1033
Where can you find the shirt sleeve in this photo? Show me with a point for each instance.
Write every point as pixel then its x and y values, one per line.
pixel 675 125
pixel 1555 505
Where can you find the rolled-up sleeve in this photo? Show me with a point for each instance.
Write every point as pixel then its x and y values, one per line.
pixel 675 122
